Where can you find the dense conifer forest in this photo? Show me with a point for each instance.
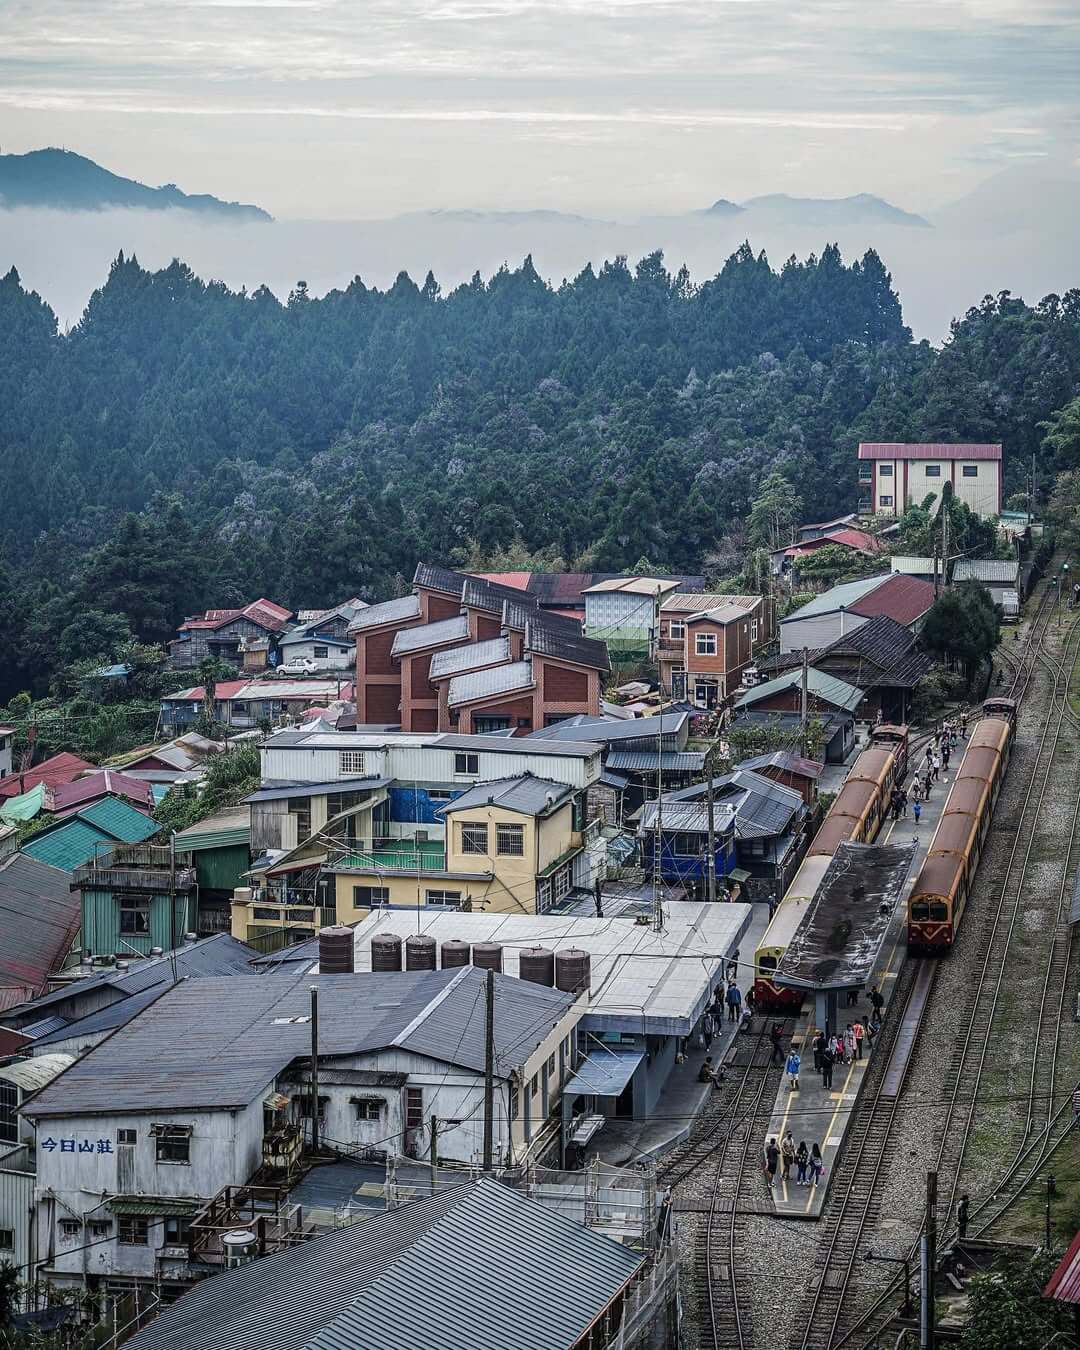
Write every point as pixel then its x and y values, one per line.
pixel 185 445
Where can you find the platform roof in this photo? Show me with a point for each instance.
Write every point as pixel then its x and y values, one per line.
pixel 639 978
pixel 838 941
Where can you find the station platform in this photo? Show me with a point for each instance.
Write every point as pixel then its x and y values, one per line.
pixel 818 1115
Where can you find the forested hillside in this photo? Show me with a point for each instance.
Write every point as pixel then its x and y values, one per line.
pixel 186 445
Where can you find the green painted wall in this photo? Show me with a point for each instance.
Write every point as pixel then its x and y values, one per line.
pixel 101 924
pixel 220 869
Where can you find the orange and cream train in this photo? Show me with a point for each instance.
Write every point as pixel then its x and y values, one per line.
pixel 855 816
pixel 942 888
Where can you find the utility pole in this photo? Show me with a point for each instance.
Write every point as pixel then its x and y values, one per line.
pixel 928 1255
pixel 434 1152
pixel 314 1068
pixel 804 700
pixel 936 587
pixel 489 1069
pixel 658 837
pixel 710 862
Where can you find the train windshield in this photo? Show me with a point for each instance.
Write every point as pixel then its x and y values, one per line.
pixel 920 912
pixel 939 911
pixel 767 962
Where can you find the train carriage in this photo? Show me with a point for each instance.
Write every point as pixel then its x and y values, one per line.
pixel 893 738
pixel 775 939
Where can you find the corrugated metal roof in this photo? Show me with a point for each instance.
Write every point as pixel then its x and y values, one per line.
pixel 224 829
pixel 904 599
pixel 607 729
pixel 788 761
pixel 60 768
pixel 430 635
pixel 826 687
pixel 457 660
pixel 1004 571
pixel 39 919
pixel 688 817
pixel 563 645
pixel 433 577
pixel 216 1043
pixel 68 797
pixel 693 601
pixel 837 597
pixel 496 680
pixel 927 450
pixel 385 1283
pixel 486 595
pixel 32 1074
pixel 390 611
pixel 1064 1285
pixel 644 761
pixel 911 566
pixel 526 794
pixel 275 792
pixel 632 586
pixel 603 1073
pixel 69 844
pixel 120 819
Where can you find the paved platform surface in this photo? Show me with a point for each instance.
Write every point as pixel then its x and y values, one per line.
pixel 625 1142
pixel 822 1116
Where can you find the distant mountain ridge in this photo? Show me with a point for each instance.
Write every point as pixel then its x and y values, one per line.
pixel 64 181
pixel 861 209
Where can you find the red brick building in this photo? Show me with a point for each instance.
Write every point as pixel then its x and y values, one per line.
pixel 707 641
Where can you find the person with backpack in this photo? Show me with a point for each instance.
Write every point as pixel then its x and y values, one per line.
pixel 734 1002
pixel 802 1160
pixel 794 1060
pixel 772 1160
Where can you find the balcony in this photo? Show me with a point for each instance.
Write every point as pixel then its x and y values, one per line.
pixel 263 1211
pixel 395 855
pixel 136 867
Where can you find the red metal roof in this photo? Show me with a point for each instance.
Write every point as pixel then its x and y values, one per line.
pixel 224 689
pixel 63 768
pixel 1064 1284
pixel 858 539
pixel 68 797
pixel 261 611
pixel 926 450
pixel 904 599
pixel 39 918
pixel 519 580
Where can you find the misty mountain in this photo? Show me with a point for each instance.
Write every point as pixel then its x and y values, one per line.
pixel 63 181
pixel 469 216
pixel 1021 197
pixel 862 209
pixel 722 207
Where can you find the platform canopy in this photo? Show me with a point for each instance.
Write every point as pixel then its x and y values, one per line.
pixel 837 943
pixel 604 1073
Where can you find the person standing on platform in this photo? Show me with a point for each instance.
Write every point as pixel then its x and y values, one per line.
pixel 817 1165
pixel 857 1032
pixel 776 1036
pixel 827 1058
pixel 772 1159
pixel 916 788
pixel 877 1002
pixel 917 808
pixel 802 1159
pixel 734 1003
pixel 945 752
pixel 708 1028
pixel 903 802
pixel 794 1061
pixel 787 1156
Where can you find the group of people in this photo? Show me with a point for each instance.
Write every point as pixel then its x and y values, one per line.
pixel 808 1162
pixel 936 762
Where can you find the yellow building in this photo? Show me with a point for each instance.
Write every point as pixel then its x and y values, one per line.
pixel 510 846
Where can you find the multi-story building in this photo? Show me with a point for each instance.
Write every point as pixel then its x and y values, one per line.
pixel 894 475
pixel 222 632
pixel 707 641
pixel 623 612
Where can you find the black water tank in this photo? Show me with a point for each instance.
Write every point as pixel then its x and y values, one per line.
pixel 419 952
pixel 454 953
pixel 572 970
pixel 385 952
pixel 487 956
pixel 537 964
pixel 336 950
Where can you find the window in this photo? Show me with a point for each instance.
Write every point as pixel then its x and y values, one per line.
pixel 370 897
pixel 515 1102
pixel 70 1228
pixel 885 501
pixel 534 1085
pixel 510 840
pixel 7 1239
pixel 467 764
pixel 173 1143
pixel 970 471
pixel 177 1229
pixel 414 1108
pixel 439 795
pixel 100 1228
pixel 551 1064
pixel 753 630
pixel 351 762
pixel 705 644
pixel 560 884
pixel 132 1230
pixel 336 802
pixel 321 652
pixel 9 1124
pixel 482 725
pixel 304 1105
pixel 126 1137
pixel 474 837
pixel 300 807
pixel 677 631
pixel 933 471
pixel 135 914
pixel 368 1108
pixel 884 470
pixel 451 899
pixel 686 845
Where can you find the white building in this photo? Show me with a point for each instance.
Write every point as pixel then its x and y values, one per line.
pixel 7 735
pixel 894 475
pixel 624 611
pixel 210 1081
pixel 19 1079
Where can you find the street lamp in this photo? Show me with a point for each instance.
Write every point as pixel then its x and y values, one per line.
pixel 904 1261
pixel 1051 1190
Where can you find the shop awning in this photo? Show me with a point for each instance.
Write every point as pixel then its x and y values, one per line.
pixel 604 1074
pixel 149 1205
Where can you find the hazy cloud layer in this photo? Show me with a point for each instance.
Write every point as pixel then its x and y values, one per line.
pixel 359 108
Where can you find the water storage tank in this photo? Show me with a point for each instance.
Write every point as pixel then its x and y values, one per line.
pixel 336 950
pixel 487 956
pixel 385 952
pixel 454 953
pixel 239 1247
pixel 420 952
pixel 572 970
pixel 538 965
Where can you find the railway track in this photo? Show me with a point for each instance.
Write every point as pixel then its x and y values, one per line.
pixel 977 1019
pixel 729 1142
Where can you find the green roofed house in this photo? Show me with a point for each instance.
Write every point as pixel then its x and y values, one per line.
pixel 220 849
pixel 784 694
pixel 95 829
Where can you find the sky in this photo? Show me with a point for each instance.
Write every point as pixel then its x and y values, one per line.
pixel 361 109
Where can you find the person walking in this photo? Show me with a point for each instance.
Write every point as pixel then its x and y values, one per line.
pixel 708 1029
pixel 962 1211
pixel 903 802
pixel 857 1032
pixel 937 767
pixel 772 1160
pixel 827 1059
pixel 734 1003
pixel 945 752
pixel 598 900
pixel 877 1002
pixel 776 1036
pixel 787 1156
pixel 916 810
pixel 802 1159
pixel 916 789
pixel 849 1045
pixel 963 725
pixel 794 1060
pixel 818 1047
pixel 817 1165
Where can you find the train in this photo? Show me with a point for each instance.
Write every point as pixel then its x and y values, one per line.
pixel 855 816
pixel 935 907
